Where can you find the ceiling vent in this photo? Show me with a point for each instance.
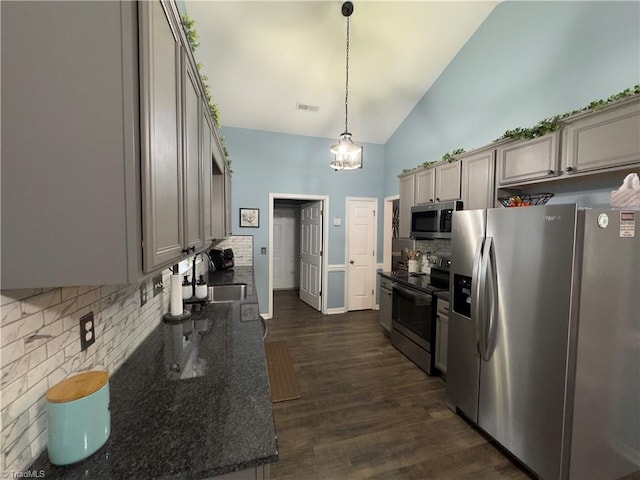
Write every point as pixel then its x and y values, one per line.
pixel 307 108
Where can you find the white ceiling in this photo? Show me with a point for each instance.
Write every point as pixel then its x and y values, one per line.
pixel 264 57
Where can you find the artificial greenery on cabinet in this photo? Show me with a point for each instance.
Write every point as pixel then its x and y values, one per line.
pixel 543 127
pixel 194 42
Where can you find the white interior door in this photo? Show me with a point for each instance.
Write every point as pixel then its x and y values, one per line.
pixel 286 247
pixel 311 254
pixel 361 253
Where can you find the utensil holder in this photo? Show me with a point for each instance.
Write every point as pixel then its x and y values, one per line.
pixel 413 266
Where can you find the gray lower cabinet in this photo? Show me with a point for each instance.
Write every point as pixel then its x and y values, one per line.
pixel 442 335
pixel 528 160
pixel 478 179
pixel 261 472
pixel 603 139
pixel 102 181
pixel 386 305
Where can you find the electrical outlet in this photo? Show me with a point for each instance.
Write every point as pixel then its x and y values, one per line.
pixel 143 293
pixel 87 331
pixel 158 286
pixel 263 250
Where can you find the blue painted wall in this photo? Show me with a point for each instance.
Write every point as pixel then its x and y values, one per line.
pixel 526 62
pixel 265 162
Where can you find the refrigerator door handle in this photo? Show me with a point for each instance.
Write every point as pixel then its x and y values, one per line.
pixel 482 294
pixel 476 281
pixel 490 299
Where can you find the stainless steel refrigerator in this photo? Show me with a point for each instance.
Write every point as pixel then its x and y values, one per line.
pixel 544 335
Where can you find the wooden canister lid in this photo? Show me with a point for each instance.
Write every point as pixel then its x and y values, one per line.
pixel 77 387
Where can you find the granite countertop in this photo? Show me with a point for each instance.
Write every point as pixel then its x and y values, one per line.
pixel 217 421
pixel 419 282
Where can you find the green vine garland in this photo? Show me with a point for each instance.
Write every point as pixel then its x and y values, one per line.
pixel 541 128
pixel 194 42
pixel 554 123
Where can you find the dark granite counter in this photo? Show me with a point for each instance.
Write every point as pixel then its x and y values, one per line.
pixel 217 419
pixel 403 277
pixel 444 294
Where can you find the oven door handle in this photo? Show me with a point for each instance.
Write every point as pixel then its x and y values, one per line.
pixel 412 292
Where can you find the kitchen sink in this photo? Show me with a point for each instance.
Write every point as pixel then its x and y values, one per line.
pixel 233 292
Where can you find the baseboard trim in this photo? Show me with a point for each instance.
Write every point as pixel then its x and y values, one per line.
pixel 336 310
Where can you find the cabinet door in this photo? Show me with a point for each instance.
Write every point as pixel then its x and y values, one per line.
pixel 406 202
pixel 442 337
pixel 425 186
pixel 227 200
pixel 193 228
pixel 218 211
pixel 603 139
pixel 207 172
pixel 447 182
pixel 526 161
pixel 160 138
pixel 478 175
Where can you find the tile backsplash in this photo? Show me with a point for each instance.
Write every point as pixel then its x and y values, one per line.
pixel 40 346
pixel 440 248
pixel 242 246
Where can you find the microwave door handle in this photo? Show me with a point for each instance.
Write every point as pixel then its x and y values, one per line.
pixel 475 293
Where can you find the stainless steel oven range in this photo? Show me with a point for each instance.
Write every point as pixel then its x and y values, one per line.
pixel 413 329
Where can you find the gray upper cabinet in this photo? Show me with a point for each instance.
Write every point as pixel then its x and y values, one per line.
pixel 425 186
pixel 607 138
pixel 529 160
pixel 207 172
pixel 437 184
pixel 70 147
pixel 478 179
pixel 161 127
pixel 102 162
pixel 407 190
pixel 447 181
pixel 220 193
pixel 192 164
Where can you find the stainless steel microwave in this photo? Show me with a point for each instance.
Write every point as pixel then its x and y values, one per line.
pixel 433 220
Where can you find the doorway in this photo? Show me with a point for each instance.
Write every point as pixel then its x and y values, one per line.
pixel 298 238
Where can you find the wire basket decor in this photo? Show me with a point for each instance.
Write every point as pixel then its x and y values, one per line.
pixel 525 199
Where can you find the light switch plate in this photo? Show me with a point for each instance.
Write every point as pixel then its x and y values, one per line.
pixel 337 222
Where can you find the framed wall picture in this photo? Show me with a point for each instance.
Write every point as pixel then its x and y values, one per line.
pixel 250 217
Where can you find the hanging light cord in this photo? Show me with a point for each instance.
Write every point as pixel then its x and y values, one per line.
pixel 346 87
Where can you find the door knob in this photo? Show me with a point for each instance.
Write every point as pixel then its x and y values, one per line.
pixel 351 262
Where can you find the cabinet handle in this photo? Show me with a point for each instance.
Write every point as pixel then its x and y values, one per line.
pixel 185 250
pixel 437 199
pixel 551 172
pixel 431 199
pixel 193 249
pixel 568 169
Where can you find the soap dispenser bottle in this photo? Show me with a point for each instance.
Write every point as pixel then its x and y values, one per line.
pixel 201 288
pixel 187 290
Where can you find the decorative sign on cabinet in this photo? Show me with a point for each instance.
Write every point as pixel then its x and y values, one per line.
pixel 113 192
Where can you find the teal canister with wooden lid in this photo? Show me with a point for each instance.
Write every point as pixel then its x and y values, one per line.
pixel 79 421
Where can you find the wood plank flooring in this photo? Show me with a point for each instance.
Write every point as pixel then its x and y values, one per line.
pixel 367 412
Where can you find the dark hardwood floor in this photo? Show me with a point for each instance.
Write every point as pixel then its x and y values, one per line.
pixel 366 411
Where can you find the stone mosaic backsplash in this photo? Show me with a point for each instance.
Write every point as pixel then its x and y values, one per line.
pixel 40 346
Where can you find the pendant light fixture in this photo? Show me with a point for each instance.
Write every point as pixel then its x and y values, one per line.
pixel 347 155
